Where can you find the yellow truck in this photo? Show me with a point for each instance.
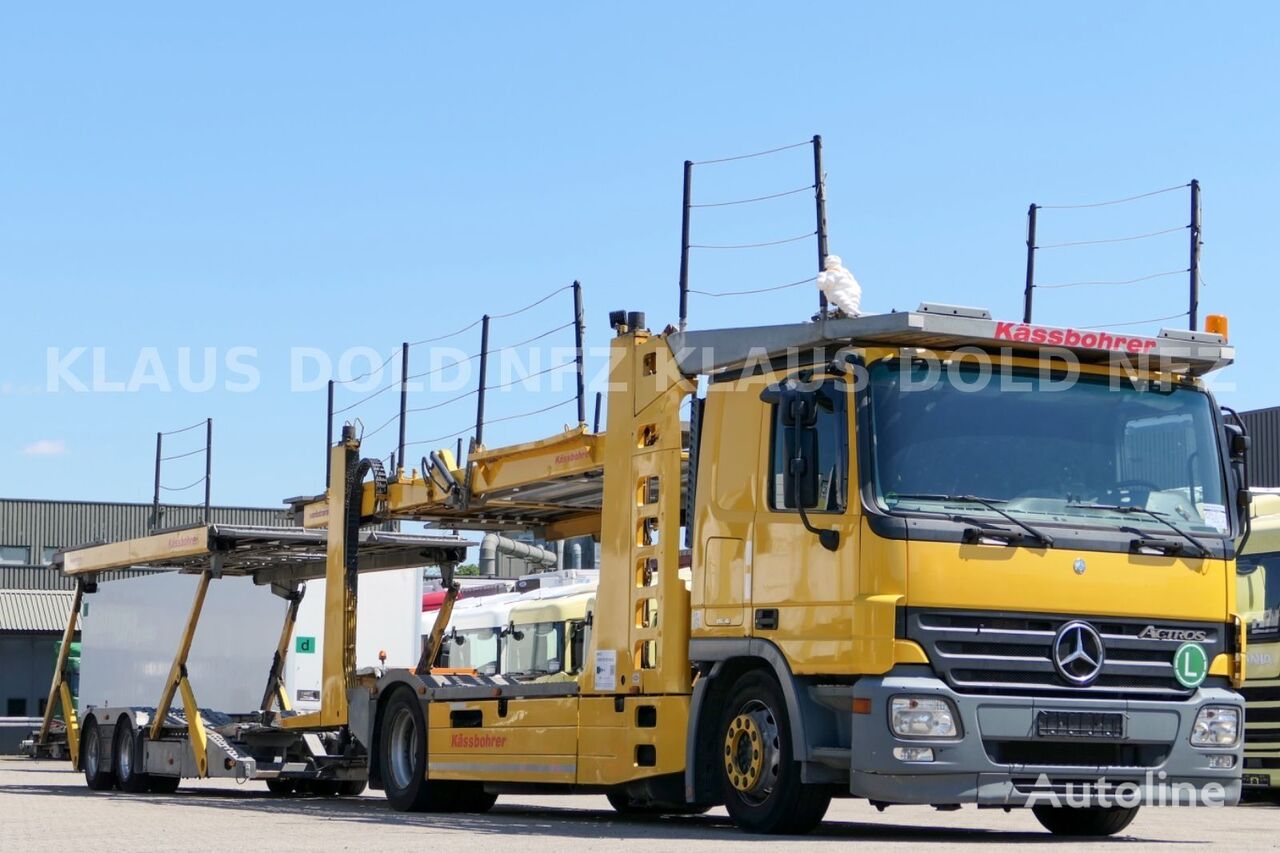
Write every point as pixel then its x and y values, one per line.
pixel 1259 604
pixel 935 558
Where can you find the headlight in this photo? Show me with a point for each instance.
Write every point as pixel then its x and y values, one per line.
pixel 919 716
pixel 1216 727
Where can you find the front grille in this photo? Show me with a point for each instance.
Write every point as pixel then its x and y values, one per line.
pixel 1075 753
pixel 1012 654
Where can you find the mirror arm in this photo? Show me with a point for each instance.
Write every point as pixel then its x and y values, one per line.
pixel 830 539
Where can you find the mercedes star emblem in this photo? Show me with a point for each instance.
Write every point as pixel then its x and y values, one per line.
pixel 1078 653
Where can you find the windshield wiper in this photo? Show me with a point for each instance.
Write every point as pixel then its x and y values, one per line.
pixel 990 503
pixel 1158 516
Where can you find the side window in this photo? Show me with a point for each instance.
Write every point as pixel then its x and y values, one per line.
pixel 833 451
pixel 15 555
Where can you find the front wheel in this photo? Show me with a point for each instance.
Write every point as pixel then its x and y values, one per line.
pixel 97 775
pixel 759 775
pixel 1095 821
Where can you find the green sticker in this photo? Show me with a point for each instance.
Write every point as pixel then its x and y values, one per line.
pixel 305 645
pixel 1190 665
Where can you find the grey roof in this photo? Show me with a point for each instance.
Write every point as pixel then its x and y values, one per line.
pixel 43 610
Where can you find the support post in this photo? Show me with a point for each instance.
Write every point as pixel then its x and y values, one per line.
pixel 1193 309
pixel 404 403
pixel 684 244
pixel 1031 264
pixel 178 681
pixel 484 372
pixel 68 633
pixel 275 678
pixel 155 495
pixel 431 646
pixel 579 329
pixel 820 204
pixel 328 437
pixel 208 468
pixel 596 423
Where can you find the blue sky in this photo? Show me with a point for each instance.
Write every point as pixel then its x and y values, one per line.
pixel 324 176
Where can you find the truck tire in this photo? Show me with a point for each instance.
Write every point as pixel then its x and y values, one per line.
pixel 97 775
pixel 760 778
pixel 126 762
pixel 282 787
pixel 1095 821
pixel 402 753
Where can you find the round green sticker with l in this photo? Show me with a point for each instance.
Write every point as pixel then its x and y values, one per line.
pixel 1190 665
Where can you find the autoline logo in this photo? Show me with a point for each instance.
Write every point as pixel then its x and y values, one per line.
pixel 1153 790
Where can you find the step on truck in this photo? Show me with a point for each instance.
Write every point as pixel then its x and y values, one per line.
pixel 936 559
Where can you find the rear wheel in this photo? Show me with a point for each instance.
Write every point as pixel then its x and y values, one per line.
pixel 126 759
pixel 759 775
pixel 1094 821
pixel 97 775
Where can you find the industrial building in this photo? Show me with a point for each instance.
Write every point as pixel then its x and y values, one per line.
pixel 34 598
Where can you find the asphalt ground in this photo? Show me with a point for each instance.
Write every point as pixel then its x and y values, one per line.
pixel 44 806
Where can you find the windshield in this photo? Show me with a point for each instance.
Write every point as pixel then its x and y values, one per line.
pixel 536 649
pixel 1043 448
pixel 1258 594
pixel 474 648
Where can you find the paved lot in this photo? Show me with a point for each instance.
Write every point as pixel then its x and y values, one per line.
pixel 44 806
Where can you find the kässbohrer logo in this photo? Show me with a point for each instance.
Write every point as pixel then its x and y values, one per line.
pixel 1028 334
pixel 459 741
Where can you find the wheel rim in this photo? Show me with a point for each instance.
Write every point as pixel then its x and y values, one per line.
pixel 752 752
pixel 125 757
pixel 404 747
pixel 91 751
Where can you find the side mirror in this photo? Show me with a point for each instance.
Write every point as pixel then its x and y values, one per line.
pixel 800 486
pixel 1238 442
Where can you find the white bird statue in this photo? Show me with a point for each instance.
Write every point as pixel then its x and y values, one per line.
pixel 841 288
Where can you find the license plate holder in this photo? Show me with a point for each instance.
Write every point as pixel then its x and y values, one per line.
pixel 1080 724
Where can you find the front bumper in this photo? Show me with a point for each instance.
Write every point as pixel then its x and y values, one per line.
pixel 987 764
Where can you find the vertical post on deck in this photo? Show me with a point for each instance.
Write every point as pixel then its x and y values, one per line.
pixel 579 328
pixel 404 403
pixel 820 204
pixel 484 374
pixel 208 468
pixel 684 243
pixel 1193 309
pixel 328 437
pixel 155 495
pixel 1031 264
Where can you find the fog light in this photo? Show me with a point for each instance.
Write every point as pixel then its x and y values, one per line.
pixel 916 753
pixel 1222 762
pixel 919 716
pixel 1216 727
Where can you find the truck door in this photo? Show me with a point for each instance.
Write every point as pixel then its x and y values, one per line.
pixel 801 593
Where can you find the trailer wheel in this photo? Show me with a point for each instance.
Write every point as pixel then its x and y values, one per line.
pixel 759 775
pixel 402 753
pixel 282 787
pixel 1095 821
pixel 96 773
pixel 163 784
pixel 126 756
